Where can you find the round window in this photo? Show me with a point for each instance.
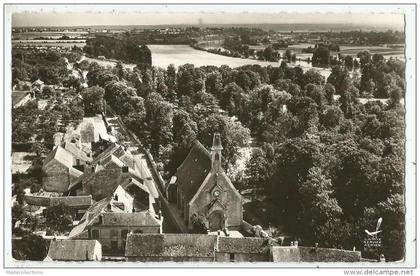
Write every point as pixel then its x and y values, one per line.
pixel 216 193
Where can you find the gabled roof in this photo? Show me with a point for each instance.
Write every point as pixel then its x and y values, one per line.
pixel 243 245
pixel 38 82
pixel 170 245
pixel 77 153
pixel 17 96
pixel 108 151
pixel 91 214
pixel 61 155
pixel 75 172
pixel 74 250
pixel 192 172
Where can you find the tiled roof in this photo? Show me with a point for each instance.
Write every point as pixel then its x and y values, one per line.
pixel 38 82
pixel 192 172
pixel 71 201
pixel 74 250
pixel 145 218
pixel 243 245
pixel 311 254
pixel 61 155
pixel 77 153
pixel 170 245
pixel 17 96
pixel 75 172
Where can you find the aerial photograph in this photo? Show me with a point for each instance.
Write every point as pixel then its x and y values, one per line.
pixel 207 134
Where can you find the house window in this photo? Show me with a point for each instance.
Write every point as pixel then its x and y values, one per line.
pixel 232 257
pixel 124 169
pixel 95 234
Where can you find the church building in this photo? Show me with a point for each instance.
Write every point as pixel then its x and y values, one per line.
pixel 200 187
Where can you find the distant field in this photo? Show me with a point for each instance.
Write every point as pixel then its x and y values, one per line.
pixel 163 55
pixel 52 35
pixel 387 52
pixel 48 43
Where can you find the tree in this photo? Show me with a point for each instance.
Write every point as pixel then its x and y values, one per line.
pixel 288 55
pixel 58 217
pixel 47 92
pixel 32 247
pixel 214 83
pixel 331 117
pixel 159 115
pixel 321 56
pixel 230 98
pixel 340 79
pixel 320 214
pixel 93 100
pixel 199 224
pixel 259 167
pixel 348 62
pixel 184 131
pixel 329 91
pixel 312 76
pixel 18 214
pixel 232 133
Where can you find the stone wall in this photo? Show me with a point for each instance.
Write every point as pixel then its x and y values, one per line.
pixel 242 257
pixel 56 177
pixel 311 254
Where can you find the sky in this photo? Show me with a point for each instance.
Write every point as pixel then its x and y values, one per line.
pixel 164 15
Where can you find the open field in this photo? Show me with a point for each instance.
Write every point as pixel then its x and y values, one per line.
pixel 48 43
pixel 163 55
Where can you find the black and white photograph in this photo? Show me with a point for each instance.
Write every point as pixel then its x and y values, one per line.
pixel 209 135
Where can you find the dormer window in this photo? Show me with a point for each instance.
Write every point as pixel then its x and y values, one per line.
pixel 124 169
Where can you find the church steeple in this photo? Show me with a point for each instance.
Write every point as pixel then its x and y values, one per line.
pixel 216 153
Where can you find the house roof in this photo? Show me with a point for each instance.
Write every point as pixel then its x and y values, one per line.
pixel 192 172
pixel 101 161
pixel 17 96
pixel 75 172
pixel 130 219
pixel 74 250
pixel 38 82
pixel 77 153
pixel 312 254
pixel 243 245
pixel 116 216
pixel 170 245
pixel 61 155
pixel 71 201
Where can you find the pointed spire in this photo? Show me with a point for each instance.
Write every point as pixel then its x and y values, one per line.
pixel 216 153
pixel 217 143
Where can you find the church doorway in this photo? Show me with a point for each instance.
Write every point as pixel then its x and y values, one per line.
pixel 216 221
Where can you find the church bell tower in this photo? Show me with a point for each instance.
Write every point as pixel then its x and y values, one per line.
pixel 216 153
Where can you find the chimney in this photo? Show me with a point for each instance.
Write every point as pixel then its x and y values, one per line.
pixel 216 153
